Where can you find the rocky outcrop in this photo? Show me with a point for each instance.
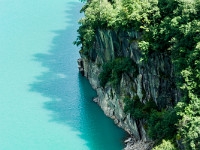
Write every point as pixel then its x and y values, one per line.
pixel 132 144
pixel 80 66
pixel 155 79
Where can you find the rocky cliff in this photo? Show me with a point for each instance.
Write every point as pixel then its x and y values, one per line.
pixel 154 80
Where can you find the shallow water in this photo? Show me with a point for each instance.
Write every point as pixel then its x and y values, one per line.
pixel 44 103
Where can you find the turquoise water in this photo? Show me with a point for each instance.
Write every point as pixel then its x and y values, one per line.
pixel 44 103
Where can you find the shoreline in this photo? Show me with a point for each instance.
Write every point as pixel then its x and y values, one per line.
pixel 129 142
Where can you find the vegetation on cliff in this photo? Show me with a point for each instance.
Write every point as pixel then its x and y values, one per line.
pixel 113 70
pixel 160 123
pixel 168 26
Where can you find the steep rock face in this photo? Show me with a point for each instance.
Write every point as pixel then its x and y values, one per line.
pixel 154 81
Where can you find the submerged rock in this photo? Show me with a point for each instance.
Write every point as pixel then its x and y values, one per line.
pixel 96 99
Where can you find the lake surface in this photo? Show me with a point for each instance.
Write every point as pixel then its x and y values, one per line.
pixel 45 104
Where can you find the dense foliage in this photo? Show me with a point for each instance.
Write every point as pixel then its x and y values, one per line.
pixel 189 125
pixel 166 145
pixel 137 109
pixel 162 124
pixel 168 26
pixel 113 70
pixel 159 123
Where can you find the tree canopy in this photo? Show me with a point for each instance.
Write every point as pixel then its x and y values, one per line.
pixel 168 26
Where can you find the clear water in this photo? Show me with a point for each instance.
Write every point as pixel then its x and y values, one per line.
pixel 44 103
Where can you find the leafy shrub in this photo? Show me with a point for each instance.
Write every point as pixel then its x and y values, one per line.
pixel 112 71
pixel 149 106
pixel 162 124
pixel 137 109
pixel 189 124
pixel 165 145
pixel 134 107
pixel 129 105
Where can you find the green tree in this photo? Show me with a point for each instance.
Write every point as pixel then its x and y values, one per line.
pixel 165 145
